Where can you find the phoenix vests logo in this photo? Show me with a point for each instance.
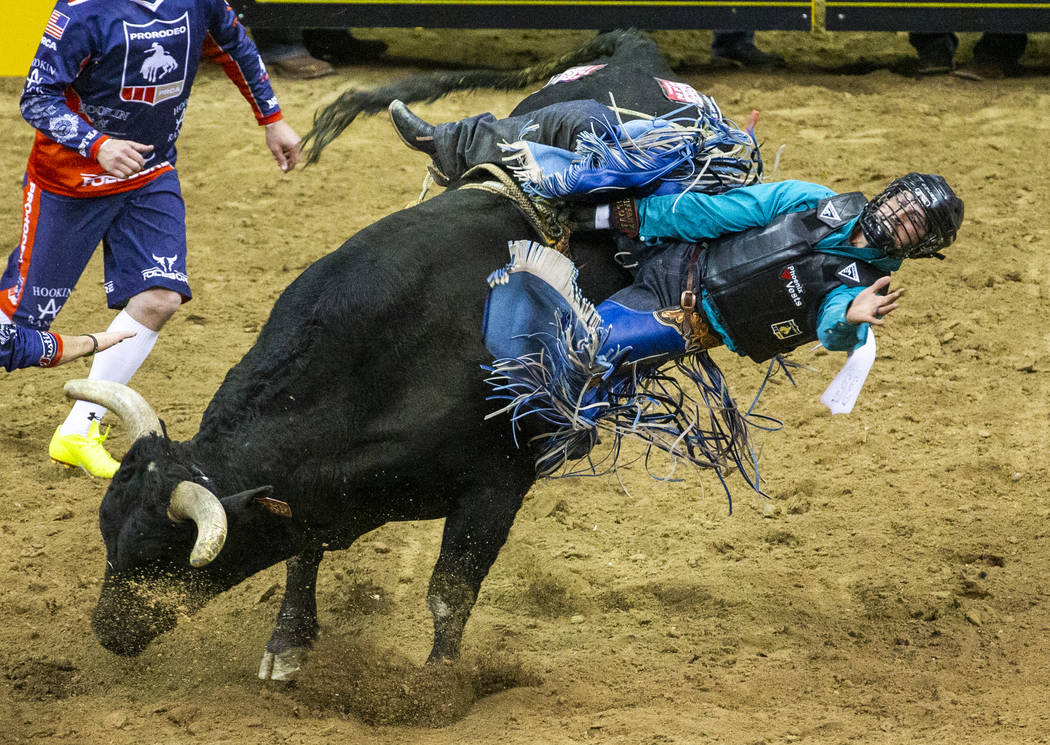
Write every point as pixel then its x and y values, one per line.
pixel 155 60
pixel 794 287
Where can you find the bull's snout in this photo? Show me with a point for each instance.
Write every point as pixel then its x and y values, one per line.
pixel 125 623
pixel 124 644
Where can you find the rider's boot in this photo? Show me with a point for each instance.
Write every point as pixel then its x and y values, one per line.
pixel 413 131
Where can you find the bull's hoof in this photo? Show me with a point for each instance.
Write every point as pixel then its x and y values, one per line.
pixel 283 665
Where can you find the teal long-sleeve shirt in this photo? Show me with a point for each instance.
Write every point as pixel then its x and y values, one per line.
pixel 693 216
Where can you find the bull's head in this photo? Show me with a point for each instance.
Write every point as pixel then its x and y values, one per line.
pixel 153 559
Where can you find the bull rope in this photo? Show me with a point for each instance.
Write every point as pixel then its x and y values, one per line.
pixel 541 215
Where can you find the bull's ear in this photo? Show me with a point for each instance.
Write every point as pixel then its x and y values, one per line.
pixel 276 506
pixel 257 497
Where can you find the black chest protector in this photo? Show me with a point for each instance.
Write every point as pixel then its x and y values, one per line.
pixel 767 283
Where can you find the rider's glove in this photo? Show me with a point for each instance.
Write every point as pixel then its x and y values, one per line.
pixel 623 217
pixel 580 218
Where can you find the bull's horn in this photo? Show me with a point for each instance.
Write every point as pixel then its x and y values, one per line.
pixel 132 408
pixel 194 502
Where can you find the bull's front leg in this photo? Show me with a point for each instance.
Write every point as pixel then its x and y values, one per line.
pixel 474 533
pixel 296 627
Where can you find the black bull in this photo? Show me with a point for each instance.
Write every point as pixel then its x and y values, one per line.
pixel 362 402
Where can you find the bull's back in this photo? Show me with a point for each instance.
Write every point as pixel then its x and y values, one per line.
pixel 368 370
pixel 634 86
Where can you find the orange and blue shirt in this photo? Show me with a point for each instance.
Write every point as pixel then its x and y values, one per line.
pixel 124 69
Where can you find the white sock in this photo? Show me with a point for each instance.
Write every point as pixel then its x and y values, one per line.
pixel 118 363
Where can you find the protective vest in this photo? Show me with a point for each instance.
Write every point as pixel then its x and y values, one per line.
pixel 767 283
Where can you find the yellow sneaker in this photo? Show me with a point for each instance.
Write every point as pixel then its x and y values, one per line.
pixel 85 451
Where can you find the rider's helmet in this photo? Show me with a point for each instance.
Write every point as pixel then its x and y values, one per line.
pixel 914 217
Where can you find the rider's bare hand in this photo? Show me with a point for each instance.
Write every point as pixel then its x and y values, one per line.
pixel 871 305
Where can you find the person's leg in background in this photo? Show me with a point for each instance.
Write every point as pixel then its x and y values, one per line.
pixel 739 47
pixel 340 47
pixel 936 51
pixel 998 55
pixel 284 52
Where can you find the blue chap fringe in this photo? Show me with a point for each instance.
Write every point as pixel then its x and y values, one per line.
pixel 583 397
pixel 705 153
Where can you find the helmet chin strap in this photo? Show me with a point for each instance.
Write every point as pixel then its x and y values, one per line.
pixel 857 237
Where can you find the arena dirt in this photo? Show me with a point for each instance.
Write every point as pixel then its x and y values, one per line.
pixel 895 589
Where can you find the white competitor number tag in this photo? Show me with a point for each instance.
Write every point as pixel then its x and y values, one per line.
pixel 681 92
pixel 574 73
pixel 842 394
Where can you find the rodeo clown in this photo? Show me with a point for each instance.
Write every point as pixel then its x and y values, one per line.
pixel 762 269
pixel 107 93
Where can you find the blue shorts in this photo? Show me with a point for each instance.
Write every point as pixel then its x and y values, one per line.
pixel 143 236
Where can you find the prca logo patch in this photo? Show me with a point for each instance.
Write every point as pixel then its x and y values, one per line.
pixel 155 60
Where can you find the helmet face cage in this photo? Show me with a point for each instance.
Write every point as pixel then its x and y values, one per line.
pixel 914 217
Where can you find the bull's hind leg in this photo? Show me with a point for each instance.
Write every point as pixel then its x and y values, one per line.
pixel 473 536
pixel 296 627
